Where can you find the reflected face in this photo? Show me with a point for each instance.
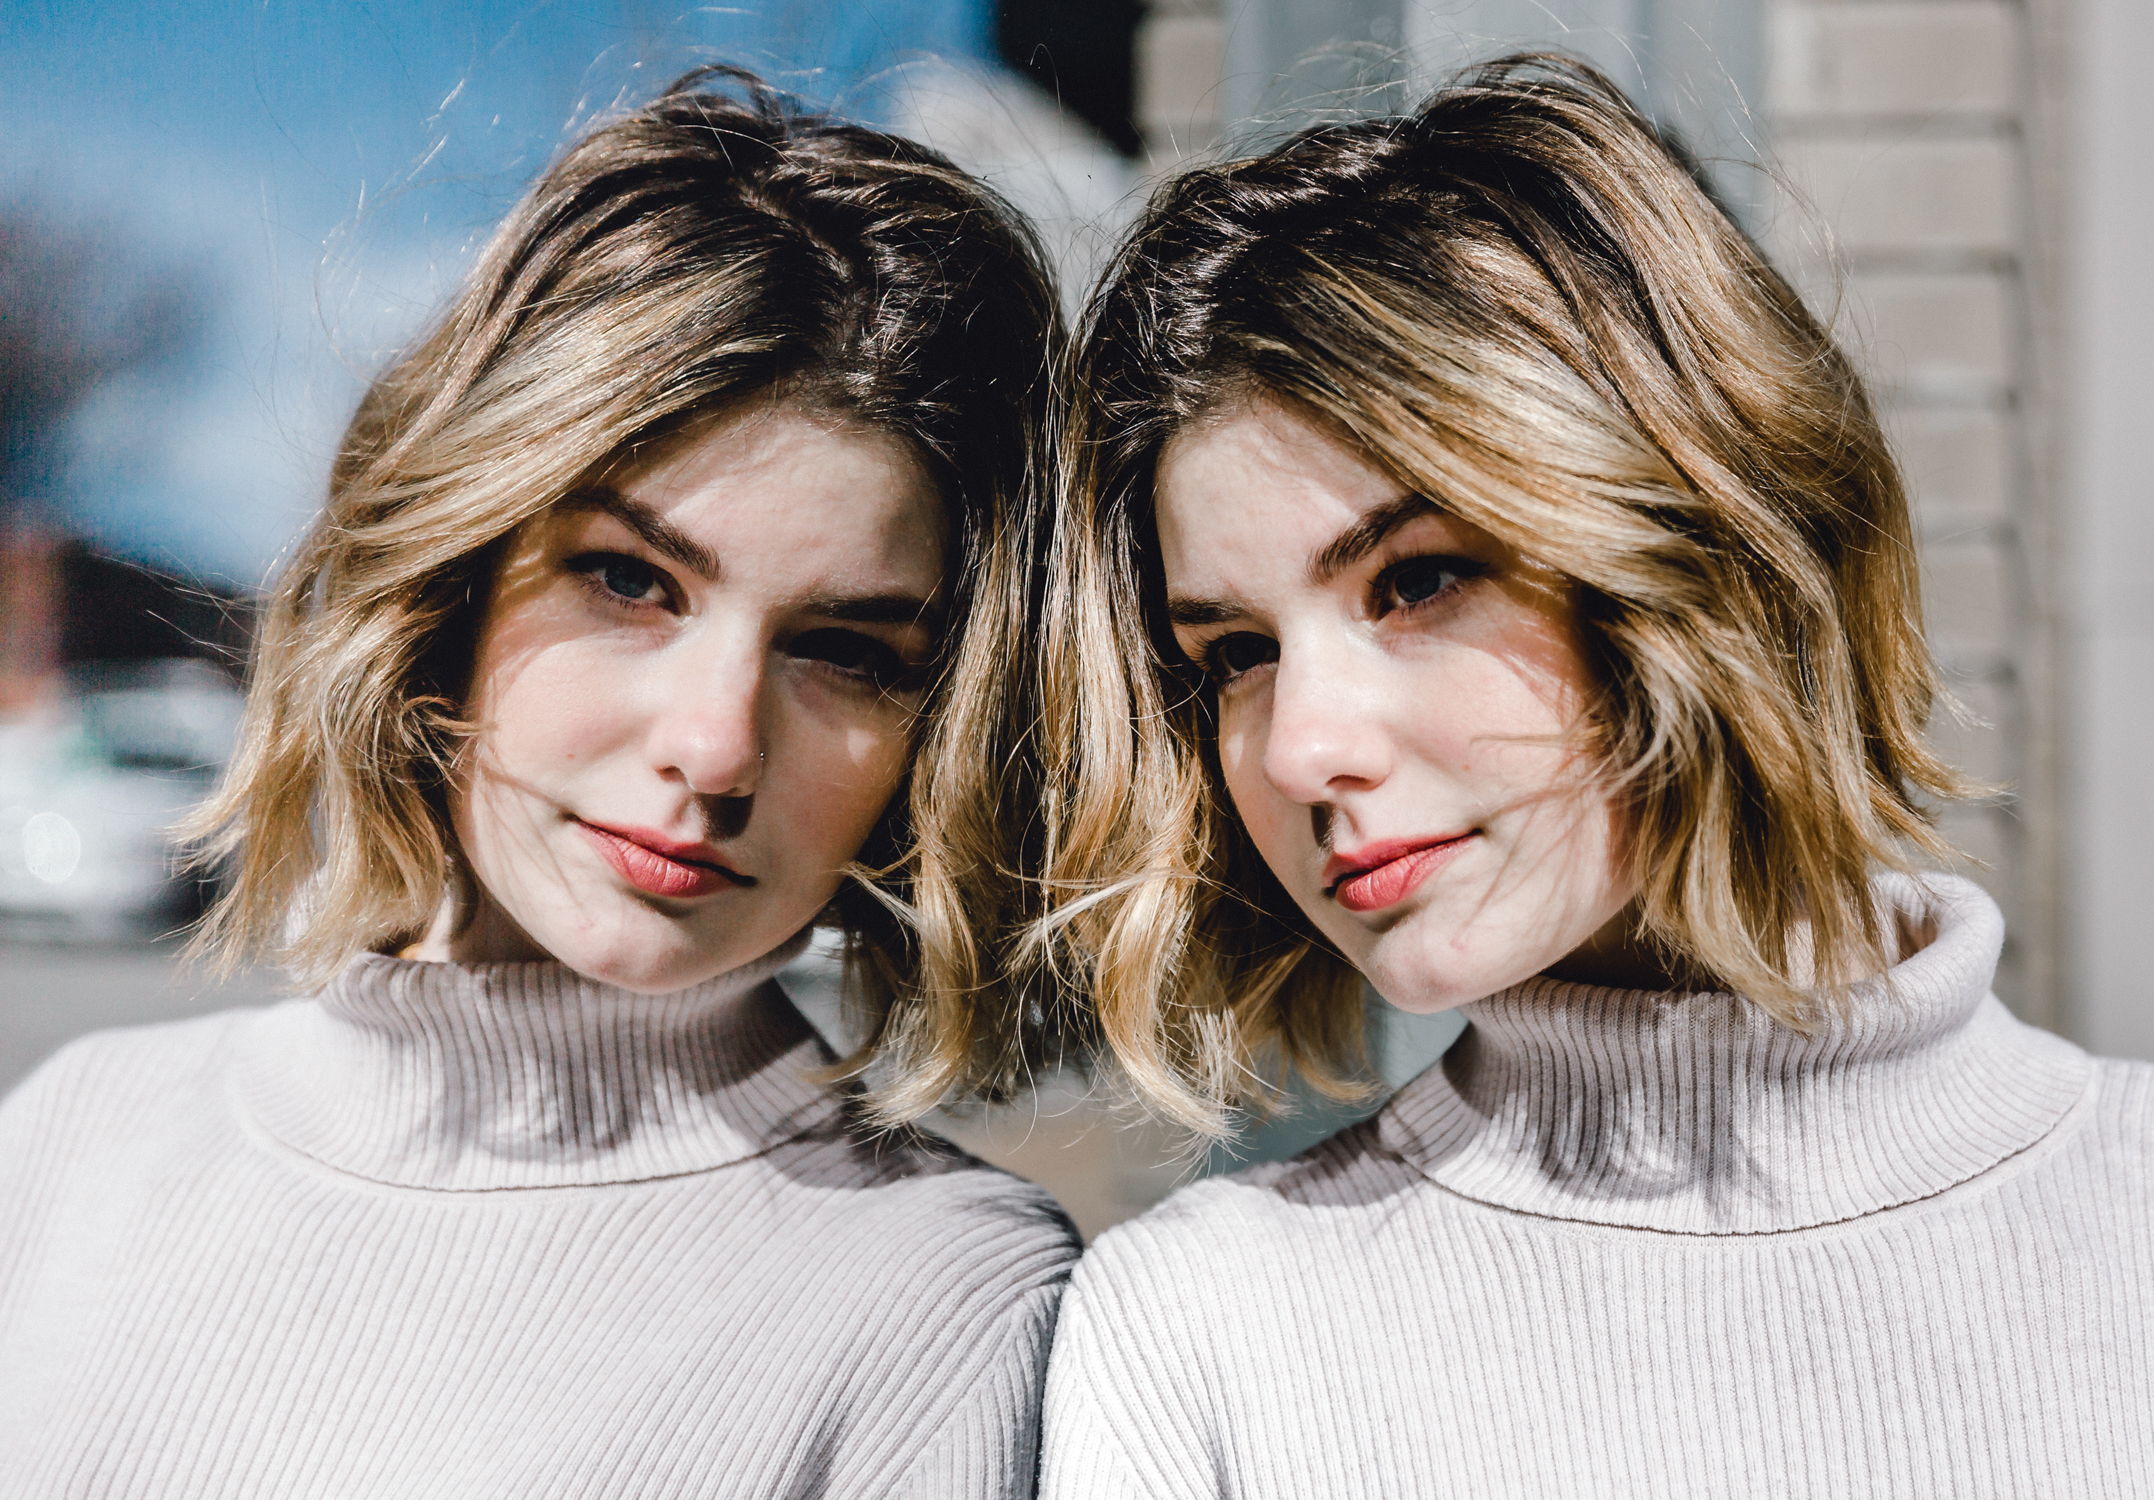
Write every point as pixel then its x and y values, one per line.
pixel 1399 695
pixel 695 691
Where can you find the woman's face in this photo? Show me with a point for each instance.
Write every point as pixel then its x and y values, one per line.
pixel 694 693
pixel 1399 699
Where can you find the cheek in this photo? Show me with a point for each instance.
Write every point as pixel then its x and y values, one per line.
pixel 543 684
pixel 1489 716
pixel 876 760
pixel 1270 817
pixel 546 712
pixel 552 707
pixel 845 777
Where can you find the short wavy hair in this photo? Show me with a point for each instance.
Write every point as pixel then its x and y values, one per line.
pixel 714 244
pixel 1520 303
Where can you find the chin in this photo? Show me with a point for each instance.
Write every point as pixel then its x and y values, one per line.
pixel 1423 973
pixel 648 957
pixel 646 979
pixel 1410 988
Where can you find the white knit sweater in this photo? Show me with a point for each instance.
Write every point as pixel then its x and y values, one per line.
pixel 1618 1244
pixel 502 1232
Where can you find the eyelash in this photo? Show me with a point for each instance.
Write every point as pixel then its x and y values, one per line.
pixel 880 668
pixel 1463 570
pixel 858 659
pixel 590 569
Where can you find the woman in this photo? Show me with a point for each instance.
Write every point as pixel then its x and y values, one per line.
pixel 646 610
pixel 1496 585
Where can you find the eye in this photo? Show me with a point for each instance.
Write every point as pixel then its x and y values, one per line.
pixel 1232 656
pixel 619 576
pixel 862 657
pixel 1420 579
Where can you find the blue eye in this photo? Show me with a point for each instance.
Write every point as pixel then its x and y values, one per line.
pixel 628 578
pixel 619 576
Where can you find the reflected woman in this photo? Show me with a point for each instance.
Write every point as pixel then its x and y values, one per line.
pixel 1492 582
pixel 643 629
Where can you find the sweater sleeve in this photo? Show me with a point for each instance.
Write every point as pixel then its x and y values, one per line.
pixel 1125 1413
pixel 94 1091
pixel 35 1141
pixel 111 1096
pixel 988 1447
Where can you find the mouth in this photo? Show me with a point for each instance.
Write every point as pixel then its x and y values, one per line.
pixel 660 866
pixel 1380 875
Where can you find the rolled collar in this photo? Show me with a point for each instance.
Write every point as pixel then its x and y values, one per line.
pixel 474 1077
pixel 1700 1114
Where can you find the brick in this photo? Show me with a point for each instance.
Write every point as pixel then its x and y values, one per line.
pixel 1177 78
pixel 1956 465
pixel 1967 597
pixel 1891 59
pixel 1940 338
pixel 1909 195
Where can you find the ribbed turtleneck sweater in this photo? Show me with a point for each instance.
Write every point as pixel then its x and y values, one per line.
pixel 502 1232
pixel 1626 1244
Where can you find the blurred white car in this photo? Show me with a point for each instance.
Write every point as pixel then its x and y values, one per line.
pixel 90 789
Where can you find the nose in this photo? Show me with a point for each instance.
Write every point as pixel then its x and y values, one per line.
pixel 1327 733
pixel 708 728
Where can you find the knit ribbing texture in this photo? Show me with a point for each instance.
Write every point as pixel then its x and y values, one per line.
pixel 1621 1244
pixel 499 1231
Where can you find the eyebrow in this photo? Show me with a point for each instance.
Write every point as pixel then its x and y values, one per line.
pixel 1202 611
pixel 663 536
pixel 1366 535
pixel 878 609
pixel 1343 551
pixel 666 538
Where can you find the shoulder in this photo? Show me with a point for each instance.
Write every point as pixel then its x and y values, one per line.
pixel 1340 1176
pixel 930 1209
pixel 1163 1308
pixel 109 1069
pixel 1249 1236
pixel 2124 1108
pixel 113 1090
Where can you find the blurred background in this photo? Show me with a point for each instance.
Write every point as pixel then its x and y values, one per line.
pixel 218 219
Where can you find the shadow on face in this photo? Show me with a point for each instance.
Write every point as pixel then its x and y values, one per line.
pixel 695 690
pixel 1402 708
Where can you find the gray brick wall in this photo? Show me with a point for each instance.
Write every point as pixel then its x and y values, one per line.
pixel 1899 128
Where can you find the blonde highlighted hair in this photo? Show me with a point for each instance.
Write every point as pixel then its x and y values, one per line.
pixel 1518 302
pixel 713 246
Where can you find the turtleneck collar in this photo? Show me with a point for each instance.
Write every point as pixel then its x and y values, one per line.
pixel 472 1077
pixel 1699 1114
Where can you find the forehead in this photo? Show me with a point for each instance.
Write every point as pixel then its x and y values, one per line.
pixel 773 479
pixel 1260 478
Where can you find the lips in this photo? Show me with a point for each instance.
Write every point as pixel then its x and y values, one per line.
pixel 652 862
pixel 1378 875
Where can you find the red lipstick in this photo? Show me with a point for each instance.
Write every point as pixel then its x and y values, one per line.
pixel 651 862
pixel 1377 875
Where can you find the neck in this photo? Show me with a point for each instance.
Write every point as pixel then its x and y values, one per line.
pixel 1618 957
pixel 474 931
